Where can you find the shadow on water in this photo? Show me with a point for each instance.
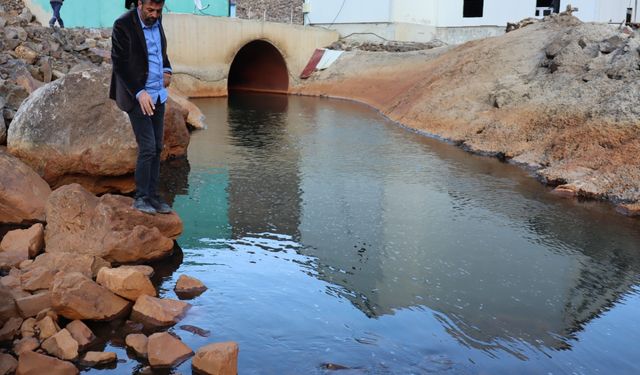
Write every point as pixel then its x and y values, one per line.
pixel 393 222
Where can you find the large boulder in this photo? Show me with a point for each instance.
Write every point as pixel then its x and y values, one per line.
pixel 71 127
pixel 23 193
pixel 107 227
pixel 75 296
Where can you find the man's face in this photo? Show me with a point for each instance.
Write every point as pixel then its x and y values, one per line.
pixel 150 11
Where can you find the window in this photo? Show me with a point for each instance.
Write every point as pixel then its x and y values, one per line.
pixel 472 8
pixel 553 6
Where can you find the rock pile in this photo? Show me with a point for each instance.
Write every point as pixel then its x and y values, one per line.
pixel 31 55
pixel 386 46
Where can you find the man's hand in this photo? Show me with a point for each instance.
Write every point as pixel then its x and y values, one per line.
pixel 167 79
pixel 146 104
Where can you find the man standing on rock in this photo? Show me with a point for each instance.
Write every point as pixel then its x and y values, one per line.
pixel 141 73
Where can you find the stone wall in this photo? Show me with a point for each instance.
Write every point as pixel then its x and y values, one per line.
pixel 285 11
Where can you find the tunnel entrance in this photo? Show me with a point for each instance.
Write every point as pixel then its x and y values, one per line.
pixel 259 66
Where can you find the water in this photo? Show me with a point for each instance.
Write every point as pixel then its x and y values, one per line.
pixel 329 236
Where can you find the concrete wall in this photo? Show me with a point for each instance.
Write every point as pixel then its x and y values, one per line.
pixel 102 13
pixel 202 49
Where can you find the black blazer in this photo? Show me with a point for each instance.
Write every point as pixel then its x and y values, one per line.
pixel 130 59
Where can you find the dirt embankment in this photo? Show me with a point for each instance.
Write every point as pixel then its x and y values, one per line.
pixel 560 97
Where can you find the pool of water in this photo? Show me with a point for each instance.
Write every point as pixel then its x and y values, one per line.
pixel 329 236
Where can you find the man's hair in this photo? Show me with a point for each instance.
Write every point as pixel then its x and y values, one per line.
pixel 152 1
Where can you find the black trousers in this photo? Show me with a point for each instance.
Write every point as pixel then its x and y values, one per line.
pixel 148 131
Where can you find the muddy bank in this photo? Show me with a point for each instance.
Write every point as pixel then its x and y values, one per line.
pixel 558 97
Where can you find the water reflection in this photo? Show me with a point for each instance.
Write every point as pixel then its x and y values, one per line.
pixel 395 222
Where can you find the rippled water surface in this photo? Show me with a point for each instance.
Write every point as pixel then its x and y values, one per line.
pixel 329 236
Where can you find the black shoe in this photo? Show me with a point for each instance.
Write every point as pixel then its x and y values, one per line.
pixel 159 205
pixel 141 205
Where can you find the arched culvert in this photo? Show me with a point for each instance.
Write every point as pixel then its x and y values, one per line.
pixel 259 66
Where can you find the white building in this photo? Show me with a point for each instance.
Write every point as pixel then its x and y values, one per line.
pixel 453 21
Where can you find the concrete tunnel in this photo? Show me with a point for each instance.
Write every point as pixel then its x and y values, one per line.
pixel 259 66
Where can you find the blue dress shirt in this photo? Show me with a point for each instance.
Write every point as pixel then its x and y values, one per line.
pixel 155 82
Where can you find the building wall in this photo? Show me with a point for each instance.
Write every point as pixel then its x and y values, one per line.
pixel 350 11
pixel 419 12
pixel 495 13
pixel 285 11
pixel 102 13
pixel 600 10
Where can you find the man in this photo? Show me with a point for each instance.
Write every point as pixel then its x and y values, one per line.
pixel 55 6
pixel 141 73
pixel 129 4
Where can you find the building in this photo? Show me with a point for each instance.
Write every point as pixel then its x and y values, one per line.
pixel 453 21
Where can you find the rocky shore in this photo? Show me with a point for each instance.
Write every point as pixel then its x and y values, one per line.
pixel 557 96
pixel 72 262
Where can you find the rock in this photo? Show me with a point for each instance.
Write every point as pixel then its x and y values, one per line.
pixel 61 345
pixel 28 328
pixel 26 80
pixel 37 278
pixel 8 364
pixel 166 350
pixel 47 327
pixel 567 190
pixel 189 287
pixel 18 204
pixel 93 359
pixel 127 283
pixel 9 259
pixel 81 333
pixel 630 209
pixel 31 305
pixel 137 342
pixel 176 133
pixel 87 265
pixel 47 312
pixel 10 329
pixel 3 130
pixel 32 363
pixel 107 227
pixel 611 44
pixel 217 359
pixel 156 312
pixel 57 143
pixel 25 263
pixel 77 297
pixel 27 54
pixel 195 117
pixel 8 307
pixel 145 270
pixel 25 344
